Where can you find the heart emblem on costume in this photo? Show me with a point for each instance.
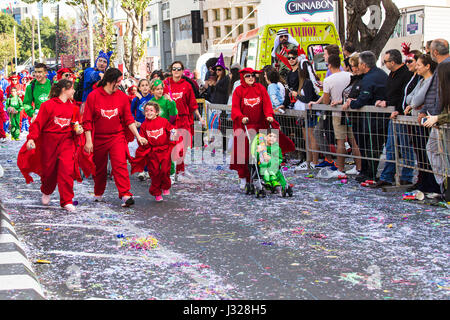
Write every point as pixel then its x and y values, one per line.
pixel 155 134
pixel 177 95
pixel 62 122
pixel 252 102
pixel 109 113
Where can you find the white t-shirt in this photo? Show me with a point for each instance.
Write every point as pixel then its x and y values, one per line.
pixel 335 84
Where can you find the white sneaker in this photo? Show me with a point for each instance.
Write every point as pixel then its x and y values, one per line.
pixel 2 172
pixel 336 174
pixel 147 176
pixel 173 178
pixel 70 207
pixel 183 177
pixel 127 201
pixel 352 171
pixel 45 199
pixel 432 195
pixel 242 184
pixel 98 198
pixel 304 167
pixel 3 140
pixel 141 176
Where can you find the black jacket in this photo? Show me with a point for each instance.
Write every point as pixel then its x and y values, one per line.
pixel 395 87
pixel 218 94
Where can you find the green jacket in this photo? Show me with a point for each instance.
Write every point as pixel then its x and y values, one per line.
pixel 40 95
pixel 14 102
pixel 167 108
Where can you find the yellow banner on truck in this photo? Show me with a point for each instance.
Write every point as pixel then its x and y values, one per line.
pixel 254 48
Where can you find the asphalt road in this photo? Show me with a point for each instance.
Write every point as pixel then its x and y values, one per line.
pixel 329 241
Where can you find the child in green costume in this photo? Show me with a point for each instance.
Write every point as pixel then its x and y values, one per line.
pixel 269 157
pixel 14 105
pixel 168 110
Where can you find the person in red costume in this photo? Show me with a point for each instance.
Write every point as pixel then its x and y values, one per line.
pixel 180 91
pixel 107 121
pixel 3 118
pixel 52 136
pixel 157 153
pixel 64 73
pixel 251 107
pixel 14 83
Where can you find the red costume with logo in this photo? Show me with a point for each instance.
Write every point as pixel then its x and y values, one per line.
pixel 108 116
pixel 182 93
pixel 252 102
pixel 54 156
pixel 156 154
pixel 3 116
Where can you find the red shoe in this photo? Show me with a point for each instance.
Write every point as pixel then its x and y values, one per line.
pixel 158 198
pixel 166 192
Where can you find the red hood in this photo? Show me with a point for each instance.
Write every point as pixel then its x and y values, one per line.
pixel 171 81
pixel 243 72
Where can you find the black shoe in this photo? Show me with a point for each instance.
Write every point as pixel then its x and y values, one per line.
pixel 413 188
pixel 405 183
pixel 128 203
pixel 361 178
pixel 381 184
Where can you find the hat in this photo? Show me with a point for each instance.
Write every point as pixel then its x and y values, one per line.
pixel 406 49
pixel 51 74
pixel 220 63
pixel 249 70
pixel 61 72
pixel 14 76
pixel 105 56
pixel 283 32
pixel 235 66
pixel 188 73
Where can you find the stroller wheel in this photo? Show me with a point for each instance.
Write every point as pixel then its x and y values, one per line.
pixel 290 191
pixel 272 189
pixel 252 189
pixel 284 193
pixel 247 188
pixel 263 193
pixel 257 193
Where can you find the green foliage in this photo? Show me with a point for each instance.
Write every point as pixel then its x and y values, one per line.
pixel 7 23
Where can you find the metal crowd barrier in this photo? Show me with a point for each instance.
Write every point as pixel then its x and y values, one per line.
pixel 365 131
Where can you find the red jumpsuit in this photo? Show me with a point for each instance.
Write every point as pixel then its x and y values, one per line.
pixel 182 93
pixel 156 154
pixel 254 103
pixel 3 116
pixel 53 131
pixel 107 117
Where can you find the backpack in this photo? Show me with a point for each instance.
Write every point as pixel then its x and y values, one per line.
pixel 78 95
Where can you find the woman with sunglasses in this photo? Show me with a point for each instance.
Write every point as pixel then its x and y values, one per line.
pixel 218 91
pixel 180 91
pixel 411 63
pixel 251 108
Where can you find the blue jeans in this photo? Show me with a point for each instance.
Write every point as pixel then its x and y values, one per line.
pixel 405 150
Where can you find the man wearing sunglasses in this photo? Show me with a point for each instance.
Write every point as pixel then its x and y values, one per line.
pixel 284 43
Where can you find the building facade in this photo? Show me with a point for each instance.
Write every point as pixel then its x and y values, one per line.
pixel 224 21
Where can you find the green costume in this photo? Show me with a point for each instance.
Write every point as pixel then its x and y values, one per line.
pixel 40 95
pixel 167 109
pixel 14 118
pixel 270 170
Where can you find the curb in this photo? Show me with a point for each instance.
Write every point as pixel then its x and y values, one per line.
pixel 17 279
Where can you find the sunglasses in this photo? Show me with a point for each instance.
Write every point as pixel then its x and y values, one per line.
pixel 409 61
pixel 247 76
pixel 291 58
pixel 219 69
pixel 284 37
pixel 177 69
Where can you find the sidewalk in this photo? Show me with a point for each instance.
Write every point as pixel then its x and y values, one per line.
pixel 17 279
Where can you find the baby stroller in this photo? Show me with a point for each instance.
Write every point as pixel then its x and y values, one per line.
pixel 257 185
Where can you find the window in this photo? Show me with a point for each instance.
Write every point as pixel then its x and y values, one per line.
pixel 251 26
pixel 241 29
pixel 239 13
pixel 207 33
pixel 205 17
pixel 183 28
pixel 228 29
pixel 250 9
pixel 216 13
pixel 227 14
pixel 315 54
pixel 217 32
